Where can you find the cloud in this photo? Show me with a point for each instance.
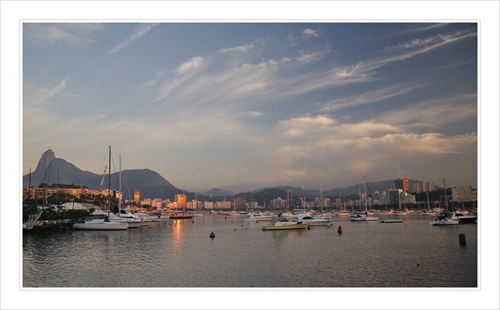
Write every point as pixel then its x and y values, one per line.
pixel 242 48
pixel 308 32
pixel 251 114
pixel 139 31
pixel 58 88
pixel 368 97
pixel 194 63
pixel 74 34
pixel 423 45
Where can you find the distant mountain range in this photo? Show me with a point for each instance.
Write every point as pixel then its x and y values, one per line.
pixel 52 170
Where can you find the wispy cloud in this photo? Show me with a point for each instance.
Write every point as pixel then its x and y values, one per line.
pixel 58 88
pixel 369 97
pixel 242 48
pixel 139 31
pixel 74 34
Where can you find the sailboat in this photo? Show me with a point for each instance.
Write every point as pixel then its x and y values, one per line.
pixel 428 211
pixel 363 216
pixel 444 218
pixel 103 223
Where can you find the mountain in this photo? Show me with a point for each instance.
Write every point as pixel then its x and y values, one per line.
pixel 218 192
pixel 51 169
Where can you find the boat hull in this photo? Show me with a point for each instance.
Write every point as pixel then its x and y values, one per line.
pixel 391 221
pixel 101 226
pixel 181 217
pixel 285 227
pixel 443 222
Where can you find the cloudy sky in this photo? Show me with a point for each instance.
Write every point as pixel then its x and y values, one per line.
pixel 248 105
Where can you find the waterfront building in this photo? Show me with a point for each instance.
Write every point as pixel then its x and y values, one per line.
pixel 137 196
pixel 402 184
pixel 181 200
pixel 289 198
pixel 222 205
pixel 395 198
pixel 208 205
pixel 240 204
pixel 463 193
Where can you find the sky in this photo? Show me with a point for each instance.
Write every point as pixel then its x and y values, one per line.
pixel 249 105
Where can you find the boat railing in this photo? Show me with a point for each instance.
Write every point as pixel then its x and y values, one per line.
pixel 33 219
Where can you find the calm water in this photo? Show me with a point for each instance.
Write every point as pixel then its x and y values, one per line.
pixel 181 254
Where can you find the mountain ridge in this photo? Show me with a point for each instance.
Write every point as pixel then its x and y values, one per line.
pixel 152 185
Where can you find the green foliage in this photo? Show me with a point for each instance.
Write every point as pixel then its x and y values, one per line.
pixel 50 214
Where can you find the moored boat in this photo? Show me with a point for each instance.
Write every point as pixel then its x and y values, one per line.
pixel 391 221
pixel 464 218
pixel 443 221
pixel 284 224
pixel 313 220
pixel 100 224
pixel 257 216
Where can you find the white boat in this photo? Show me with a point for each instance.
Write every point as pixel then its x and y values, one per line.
pixel 283 224
pixel 100 224
pixel 427 213
pixel 464 218
pixel 313 220
pixel 399 213
pixel 391 221
pixel 443 221
pixel 257 216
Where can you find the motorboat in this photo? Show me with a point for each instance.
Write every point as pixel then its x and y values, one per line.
pixel 313 220
pixel 464 218
pixel 284 224
pixel 391 221
pixel 257 216
pixel 362 217
pixel 443 221
pixel 100 224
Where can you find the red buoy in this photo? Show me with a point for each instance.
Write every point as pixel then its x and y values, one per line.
pixel 339 230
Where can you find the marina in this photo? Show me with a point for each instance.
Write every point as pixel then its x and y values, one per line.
pixel 183 254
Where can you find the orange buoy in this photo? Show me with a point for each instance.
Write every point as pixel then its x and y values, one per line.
pixel 339 230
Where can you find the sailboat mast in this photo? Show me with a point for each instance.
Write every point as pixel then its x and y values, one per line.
pixel 366 202
pixel 109 180
pixel 120 187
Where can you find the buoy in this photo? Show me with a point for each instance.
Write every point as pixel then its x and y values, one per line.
pixel 461 239
pixel 418 264
pixel 339 230
pixel 212 235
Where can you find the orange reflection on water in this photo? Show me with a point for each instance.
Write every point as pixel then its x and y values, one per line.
pixel 177 226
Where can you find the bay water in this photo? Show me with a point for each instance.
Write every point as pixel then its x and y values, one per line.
pixel 180 254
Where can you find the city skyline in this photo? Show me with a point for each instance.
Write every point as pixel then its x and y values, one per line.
pixel 256 104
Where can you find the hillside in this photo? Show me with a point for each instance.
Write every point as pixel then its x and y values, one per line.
pixel 56 170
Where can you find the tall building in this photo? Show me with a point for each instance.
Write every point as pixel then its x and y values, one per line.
pixel 181 200
pixel 239 204
pixel 395 198
pixel 289 198
pixel 402 184
pixel 137 196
